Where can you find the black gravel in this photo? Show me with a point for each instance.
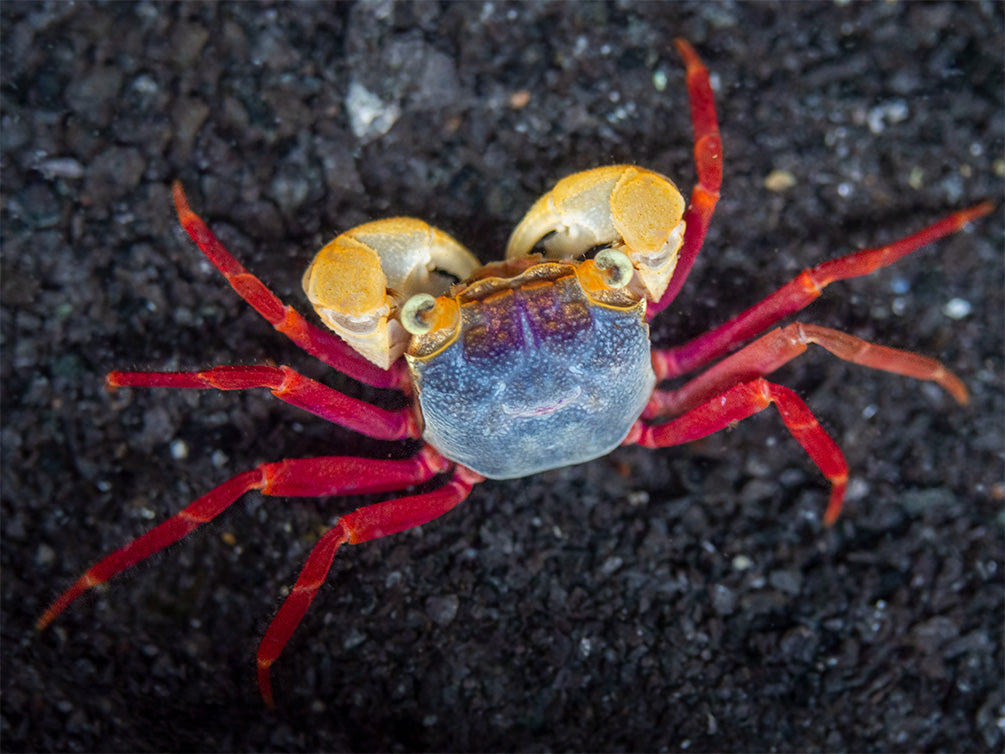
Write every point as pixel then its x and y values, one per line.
pixel 671 600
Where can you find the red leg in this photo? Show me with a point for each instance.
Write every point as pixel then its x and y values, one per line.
pixel 289 386
pixel 361 525
pixel 741 401
pixel 303 477
pixel 773 349
pixel 320 343
pixel 800 292
pixel 708 161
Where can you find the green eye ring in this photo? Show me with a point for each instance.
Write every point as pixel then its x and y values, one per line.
pixel 617 265
pixel 414 314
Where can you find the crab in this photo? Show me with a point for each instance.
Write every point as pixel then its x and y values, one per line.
pixel 534 362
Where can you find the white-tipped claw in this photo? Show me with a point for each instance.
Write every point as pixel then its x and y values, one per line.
pixel 358 282
pixel 630 208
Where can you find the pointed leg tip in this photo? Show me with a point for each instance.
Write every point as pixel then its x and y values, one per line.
pixel 973 213
pixel 984 208
pixel 833 512
pixel 682 45
pixel 44 620
pixel 687 52
pixel 265 684
pixel 58 605
pixel 958 390
pixel 836 502
pixel 180 202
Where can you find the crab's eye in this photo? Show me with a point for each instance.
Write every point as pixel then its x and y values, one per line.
pixel 617 265
pixel 414 314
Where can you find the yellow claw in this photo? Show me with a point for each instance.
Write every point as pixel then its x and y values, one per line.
pixel 359 282
pixel 621 206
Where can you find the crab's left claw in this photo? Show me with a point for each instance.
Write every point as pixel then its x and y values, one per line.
pixel 625 207
pixel 359 282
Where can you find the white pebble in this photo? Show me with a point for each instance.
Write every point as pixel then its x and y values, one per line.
pixel 957 308
pixel 179 450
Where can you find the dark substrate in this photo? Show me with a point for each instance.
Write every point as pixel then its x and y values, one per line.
pixel 680 599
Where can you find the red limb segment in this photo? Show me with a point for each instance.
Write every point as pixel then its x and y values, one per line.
pixel 324 345
pixel 736 404
pixel 773 349
pixel 800 292
pixel 289 386
pixel 303 477
pixel 708 161
pixel 363 524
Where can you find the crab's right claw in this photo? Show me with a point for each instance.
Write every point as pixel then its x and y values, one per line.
pixel 625 207
pixel 358 282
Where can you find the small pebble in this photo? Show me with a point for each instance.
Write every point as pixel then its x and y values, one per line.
pixel 956 308
pixel 779 180
pixel 442 610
